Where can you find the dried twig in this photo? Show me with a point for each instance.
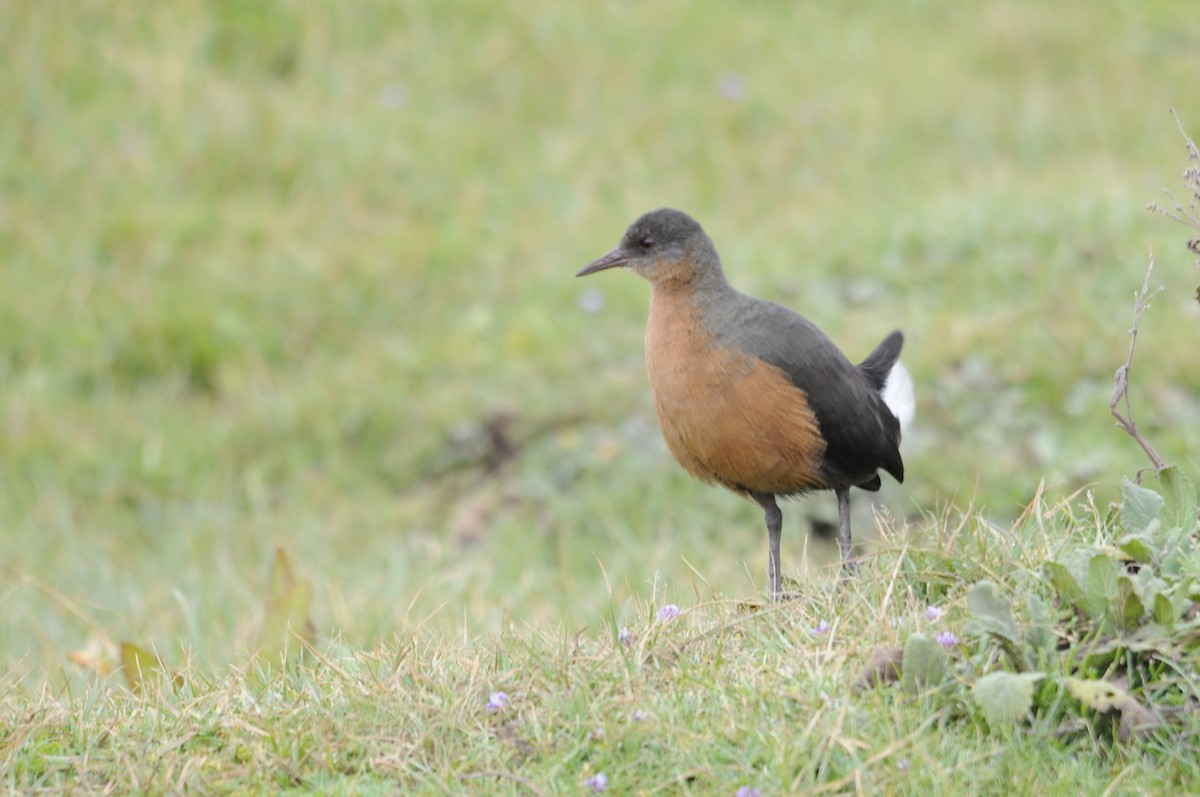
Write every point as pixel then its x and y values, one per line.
pixel 1188 216
pixel 1141 303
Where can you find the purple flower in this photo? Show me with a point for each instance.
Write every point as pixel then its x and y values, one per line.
pixel 748 791
pixel 934 613
pixel 394 96
pixel 497 701
pixel 732 86
pixel 597 782
pixel 821 627
pixel 668 612
pixel 625 637
pixel 947 639
pixel 639 715
pixel 591 300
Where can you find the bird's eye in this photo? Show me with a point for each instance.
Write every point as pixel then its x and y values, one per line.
pixel 647 243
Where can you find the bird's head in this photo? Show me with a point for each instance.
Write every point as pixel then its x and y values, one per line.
pixel 664 246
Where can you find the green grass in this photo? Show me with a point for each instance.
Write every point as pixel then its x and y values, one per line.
pixel 725 695
pixel 268 273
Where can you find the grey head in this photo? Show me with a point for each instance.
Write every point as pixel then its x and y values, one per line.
pixel 664 246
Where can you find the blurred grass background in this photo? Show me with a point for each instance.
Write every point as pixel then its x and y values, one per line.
pixel 300 275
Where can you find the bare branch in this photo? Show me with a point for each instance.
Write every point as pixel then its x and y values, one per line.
pixel 1189 216
pixel 1120 393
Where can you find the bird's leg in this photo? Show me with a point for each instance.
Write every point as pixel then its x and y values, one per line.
pixel 774 520
pixel 849 563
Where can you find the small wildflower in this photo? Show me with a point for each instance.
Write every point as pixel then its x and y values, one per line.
pixel 934 613
pixel 625 637
pixel 748 791
pixel 497 701
pixel 394 96
pixel 639 715
pixel 668 612
pixel 597 782
pixel 732 86
pixel 903 764
pixel 947 639
pixel 591 300
pixel 821 627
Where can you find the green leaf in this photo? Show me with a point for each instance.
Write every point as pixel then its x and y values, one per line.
pixel 1069 590
pixel 1040 634
pixel 1139 547
pixel 1139 506
pixel 993 611
pixel 1164 611
pixel 993 618
pixel 1176 553
pixel 1005 698
pixel 1170 602
pixel 1078 561
pixel 1150 638
pixel 1180 496
pixel 1130 608
pixel 1101 588
pixel 143 669
pixel 924 664
pixel 1149 588
pixel 287 626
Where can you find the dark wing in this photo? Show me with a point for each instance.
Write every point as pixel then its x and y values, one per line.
pixel 861 433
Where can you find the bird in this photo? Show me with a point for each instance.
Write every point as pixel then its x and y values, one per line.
pixel 751 395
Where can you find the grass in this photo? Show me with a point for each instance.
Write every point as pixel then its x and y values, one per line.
pixel 272 275
pixel 724 695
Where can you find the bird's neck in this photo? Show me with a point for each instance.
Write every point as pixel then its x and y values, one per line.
pixel 682 309
pixel 686 280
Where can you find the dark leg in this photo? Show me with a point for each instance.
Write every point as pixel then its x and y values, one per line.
pixel 774 520
pixel 849 564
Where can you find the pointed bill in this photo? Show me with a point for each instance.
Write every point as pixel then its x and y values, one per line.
pixel 613 259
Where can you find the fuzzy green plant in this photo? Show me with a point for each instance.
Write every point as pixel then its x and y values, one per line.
pixel 1107 640
pixel 1108 643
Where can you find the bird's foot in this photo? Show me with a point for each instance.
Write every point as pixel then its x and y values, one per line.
pixel 849 568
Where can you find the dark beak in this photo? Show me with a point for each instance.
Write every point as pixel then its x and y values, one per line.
pixel 613 259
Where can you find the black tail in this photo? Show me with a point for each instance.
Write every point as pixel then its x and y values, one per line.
pixel 879 363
